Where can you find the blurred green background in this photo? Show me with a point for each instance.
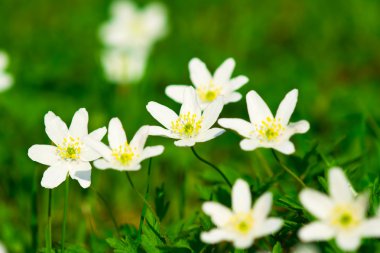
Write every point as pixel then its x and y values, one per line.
pixel 329 50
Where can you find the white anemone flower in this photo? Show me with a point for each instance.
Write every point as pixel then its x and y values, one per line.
pixel 2 248
pixel 191 125
pixel 340 214
pixel 209 87
pixel 121 155
pixel 69 155
pixel 133 28
pixel 6 79
pixel 264 130
pixel 244 223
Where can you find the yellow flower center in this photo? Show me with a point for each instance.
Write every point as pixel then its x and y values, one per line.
pixel 269 129
pixel 208 93
pixel 345 217
pixel 124 154
pixel 242 223
pixel 70 148
pixel 187 125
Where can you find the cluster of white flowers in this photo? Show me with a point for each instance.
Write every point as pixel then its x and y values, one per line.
pixel 129 37
pixel 342 215
pixel 6 80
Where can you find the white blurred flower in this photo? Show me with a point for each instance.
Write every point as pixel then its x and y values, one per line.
pixel 6 80
pixel 209 87
pixel 2 248
pixel 123 67
pixel 69 155
pixel 264 130
pixel 244 223
pixel 305 248
pixel 132 28
pixel 191 125
pixel 340 215
pixel 122 155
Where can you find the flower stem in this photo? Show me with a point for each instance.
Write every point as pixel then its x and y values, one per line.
pixel 212 166
pixel 130 180
pixel 48 227
pixel 67 183
pixel 299 180
pixel 107 206
pixel 145 206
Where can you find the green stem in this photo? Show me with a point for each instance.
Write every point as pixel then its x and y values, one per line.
pixel 34 214
pixel 212 166
pixel 299 180
pixel 107 206
pixel 130 180
pixel 67 183
pixel 145 206
pixel 48 227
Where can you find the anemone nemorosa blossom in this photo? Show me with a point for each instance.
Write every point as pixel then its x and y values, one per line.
pixel 264 130
pixel 6 80
pixel 121 155
pixel 69 155
pixel 340 214
pixel 244 223
pixel 209 87
pixel 191 125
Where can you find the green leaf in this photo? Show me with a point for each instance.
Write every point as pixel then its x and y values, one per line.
pixel 277 248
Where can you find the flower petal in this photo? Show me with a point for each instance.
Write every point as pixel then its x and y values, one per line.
pixel 160 131
pixel 287 105
pixel 257 108
pixel 223 73
pixel 299 127
pixel 81 171
pixel 175 92
pixel 262 207
pixel 211 113
pixel 339 186
pixel 79 123
pixel 152 151
pixel 116 133
pixel 269 226
pixel 138 141
pixel 370 228
pixel 238 82
pixel 249 144
pixel 102 164
pixel 162 114
pixel 185 143
pixel 316 231
pixel 190 102
pixel 209 134
pixel 216 235
pixel 232 97
pixel 348 242
pixel 54 175
pixel 44 154
pixel 219 214
pixel 241 197
pixel 243 242
pixel 242 127
pixel 98 147
pixel 55 128
pixel 199 73
pixel 286 147
pixel 98 134
pixel 316 203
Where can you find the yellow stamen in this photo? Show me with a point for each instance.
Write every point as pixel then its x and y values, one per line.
pixel 70 148
pixel 187 125
pixel 208 93
pixel 124 153
pixel 270 129
pixel 241 222
pixel 345 217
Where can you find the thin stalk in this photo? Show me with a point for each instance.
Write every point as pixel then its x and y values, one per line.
pixel 299 180
pixel 66 199
pixel 107 206
pixel 48 227
pixel 130 180
pixel 212 166
pixel 145 206
pixel 34 214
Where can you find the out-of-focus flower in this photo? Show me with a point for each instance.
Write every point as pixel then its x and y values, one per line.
pixel 2 248
pixel 264 130
pixel 6 79
pixel 305 248
pixel 244 223
pixel 124 67
pixel 209 87
pixel 122 155
pixel 340 215
pixel 191 125
pixel 70 155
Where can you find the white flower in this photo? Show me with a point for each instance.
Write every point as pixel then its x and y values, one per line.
pixel 131 28
pixel 244 223
pixel 210 87
pixel 340 215
pixel 305 248
pixel 123 67
pixel 69 155
pixel 191 125
pixel 122 155
pixel 6 80
pixel 2 248
pixel 264 130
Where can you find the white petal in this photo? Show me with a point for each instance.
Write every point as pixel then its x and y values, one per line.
pixel 249 144
pixel 243 242
pixel 257 108
pixel 262 207
pixel 98 134
pixel 138 141
pixel 339 186
pixel 223 73
pixel 232 98
pixel 218 213
pixel 242 127
pixel 6 81
pixel 209 134
pixel 199 73
pixel 371 228
pixel 89 154
pixel 269 226
pixel 44 154
pixel 241 197
pixel 98 147
pixel 159 131
pixel 185 143
pixel 55 128
pixel 316 203
pixel 162 114
pixel 285 147
pixel 238 82
pixel 116 133
pixel 211 113
pixel 79 123
pixel 215 235
pixel 54 175
pixel 287 105
pixel 316 231
pixel 299 127
pixel 348 242
pixel 102 164
pixel 175 92
pixel 152 151
pixel 190 102
pixel 81 171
